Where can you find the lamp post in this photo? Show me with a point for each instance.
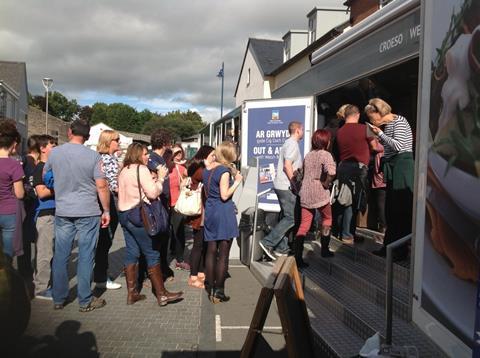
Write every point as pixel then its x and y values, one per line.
pixel 221 74
pixel 47 83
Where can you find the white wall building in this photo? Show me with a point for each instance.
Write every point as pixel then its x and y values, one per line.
pixel 260 59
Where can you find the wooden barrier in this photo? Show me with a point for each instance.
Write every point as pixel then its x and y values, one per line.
pixel 285 284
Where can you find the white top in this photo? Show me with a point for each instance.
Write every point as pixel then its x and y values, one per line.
pixel 290 151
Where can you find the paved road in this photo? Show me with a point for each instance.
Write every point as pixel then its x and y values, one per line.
pixel 191 328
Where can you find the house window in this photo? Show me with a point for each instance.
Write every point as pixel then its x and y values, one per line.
pixel 248 77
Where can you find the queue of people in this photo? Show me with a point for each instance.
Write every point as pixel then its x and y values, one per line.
pixel 78 194
pixel 72 193
pixel 336 181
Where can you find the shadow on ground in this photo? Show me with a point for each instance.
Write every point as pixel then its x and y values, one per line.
pixel 262 350
pixel 67 342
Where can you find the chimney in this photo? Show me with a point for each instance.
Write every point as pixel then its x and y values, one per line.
pixel 360 9
pixel 294 41
pixel 321 20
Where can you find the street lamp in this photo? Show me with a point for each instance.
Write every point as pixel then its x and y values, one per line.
pixel 47 83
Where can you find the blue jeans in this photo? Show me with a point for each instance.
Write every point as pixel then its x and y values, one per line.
pixel 137 241
pixel 347 215
pixel 66 229
pixel 7 228
pixel 276 238
pixel 344 221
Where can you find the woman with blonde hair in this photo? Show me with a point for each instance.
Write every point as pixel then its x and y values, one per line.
pixel 341 112
pixel 137 240
pixel 395 134
pixel 108 144
pixel 220 224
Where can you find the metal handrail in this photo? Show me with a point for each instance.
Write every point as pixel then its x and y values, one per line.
pixel 254 232
pixel 389 291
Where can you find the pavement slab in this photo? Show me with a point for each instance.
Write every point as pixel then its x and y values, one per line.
pixel 184 329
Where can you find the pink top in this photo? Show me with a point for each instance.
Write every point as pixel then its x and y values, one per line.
pixel 317 164
pixel 128 187
pixel 175 181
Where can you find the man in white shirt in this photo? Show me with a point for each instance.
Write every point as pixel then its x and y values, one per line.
pixel 289 161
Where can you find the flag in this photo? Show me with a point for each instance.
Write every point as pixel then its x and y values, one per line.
pixel 220 73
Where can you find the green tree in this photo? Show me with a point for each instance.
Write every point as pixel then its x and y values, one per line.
pixel 120 116
pixel 58 105
pixel 99 113
pixel 86 113
pixel 180 124
pixel 61 107
pixel 142 118
pixel 36 101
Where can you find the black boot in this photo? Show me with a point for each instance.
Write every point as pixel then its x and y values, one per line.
pixel 208 289
pixel 218 295
pixel 299 252
pixel 325 240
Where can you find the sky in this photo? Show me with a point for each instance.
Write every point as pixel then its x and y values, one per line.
pixel 162 55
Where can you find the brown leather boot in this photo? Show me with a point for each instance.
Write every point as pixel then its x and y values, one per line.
pixel 131 273
pixel 163 296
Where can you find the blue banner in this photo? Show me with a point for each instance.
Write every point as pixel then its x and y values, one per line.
pixel 267 131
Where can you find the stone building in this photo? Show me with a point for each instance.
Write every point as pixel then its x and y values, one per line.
pixel 56 127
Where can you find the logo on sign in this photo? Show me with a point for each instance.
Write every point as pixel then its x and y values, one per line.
pixel 275 117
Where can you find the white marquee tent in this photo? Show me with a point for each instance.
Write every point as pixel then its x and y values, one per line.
pixel 95 131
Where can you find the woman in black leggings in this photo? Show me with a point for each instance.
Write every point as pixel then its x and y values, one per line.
pixel 197 255
pixel 220 224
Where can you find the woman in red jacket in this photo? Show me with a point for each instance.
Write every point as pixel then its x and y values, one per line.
pixel 178 173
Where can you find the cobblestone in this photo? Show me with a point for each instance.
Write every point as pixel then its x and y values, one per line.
pixel 117 330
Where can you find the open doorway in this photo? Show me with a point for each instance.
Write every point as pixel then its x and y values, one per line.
pixel 397 85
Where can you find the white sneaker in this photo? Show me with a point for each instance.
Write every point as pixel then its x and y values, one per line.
pixel 267 250
pixel 113 285
pixel 109 285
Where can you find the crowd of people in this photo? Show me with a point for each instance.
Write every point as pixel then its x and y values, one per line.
pixel 59 195
pixel 346 167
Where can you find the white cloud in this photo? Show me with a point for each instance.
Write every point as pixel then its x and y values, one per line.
pixel 161 53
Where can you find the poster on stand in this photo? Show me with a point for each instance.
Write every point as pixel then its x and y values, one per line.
pixel 451 232
pixel 265 129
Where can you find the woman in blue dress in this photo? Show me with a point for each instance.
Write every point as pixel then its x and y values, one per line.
pixel 220 225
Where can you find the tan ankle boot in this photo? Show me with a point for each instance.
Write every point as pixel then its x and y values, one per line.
pixel 163 296
pixel 131 275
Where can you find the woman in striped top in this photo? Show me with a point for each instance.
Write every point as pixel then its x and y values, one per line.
pixel 395 134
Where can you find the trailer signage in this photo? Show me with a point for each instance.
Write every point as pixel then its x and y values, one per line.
pixel 265 131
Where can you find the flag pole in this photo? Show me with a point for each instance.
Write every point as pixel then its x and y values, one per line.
pixel 221 100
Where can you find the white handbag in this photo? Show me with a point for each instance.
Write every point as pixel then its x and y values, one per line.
pixel 189 202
